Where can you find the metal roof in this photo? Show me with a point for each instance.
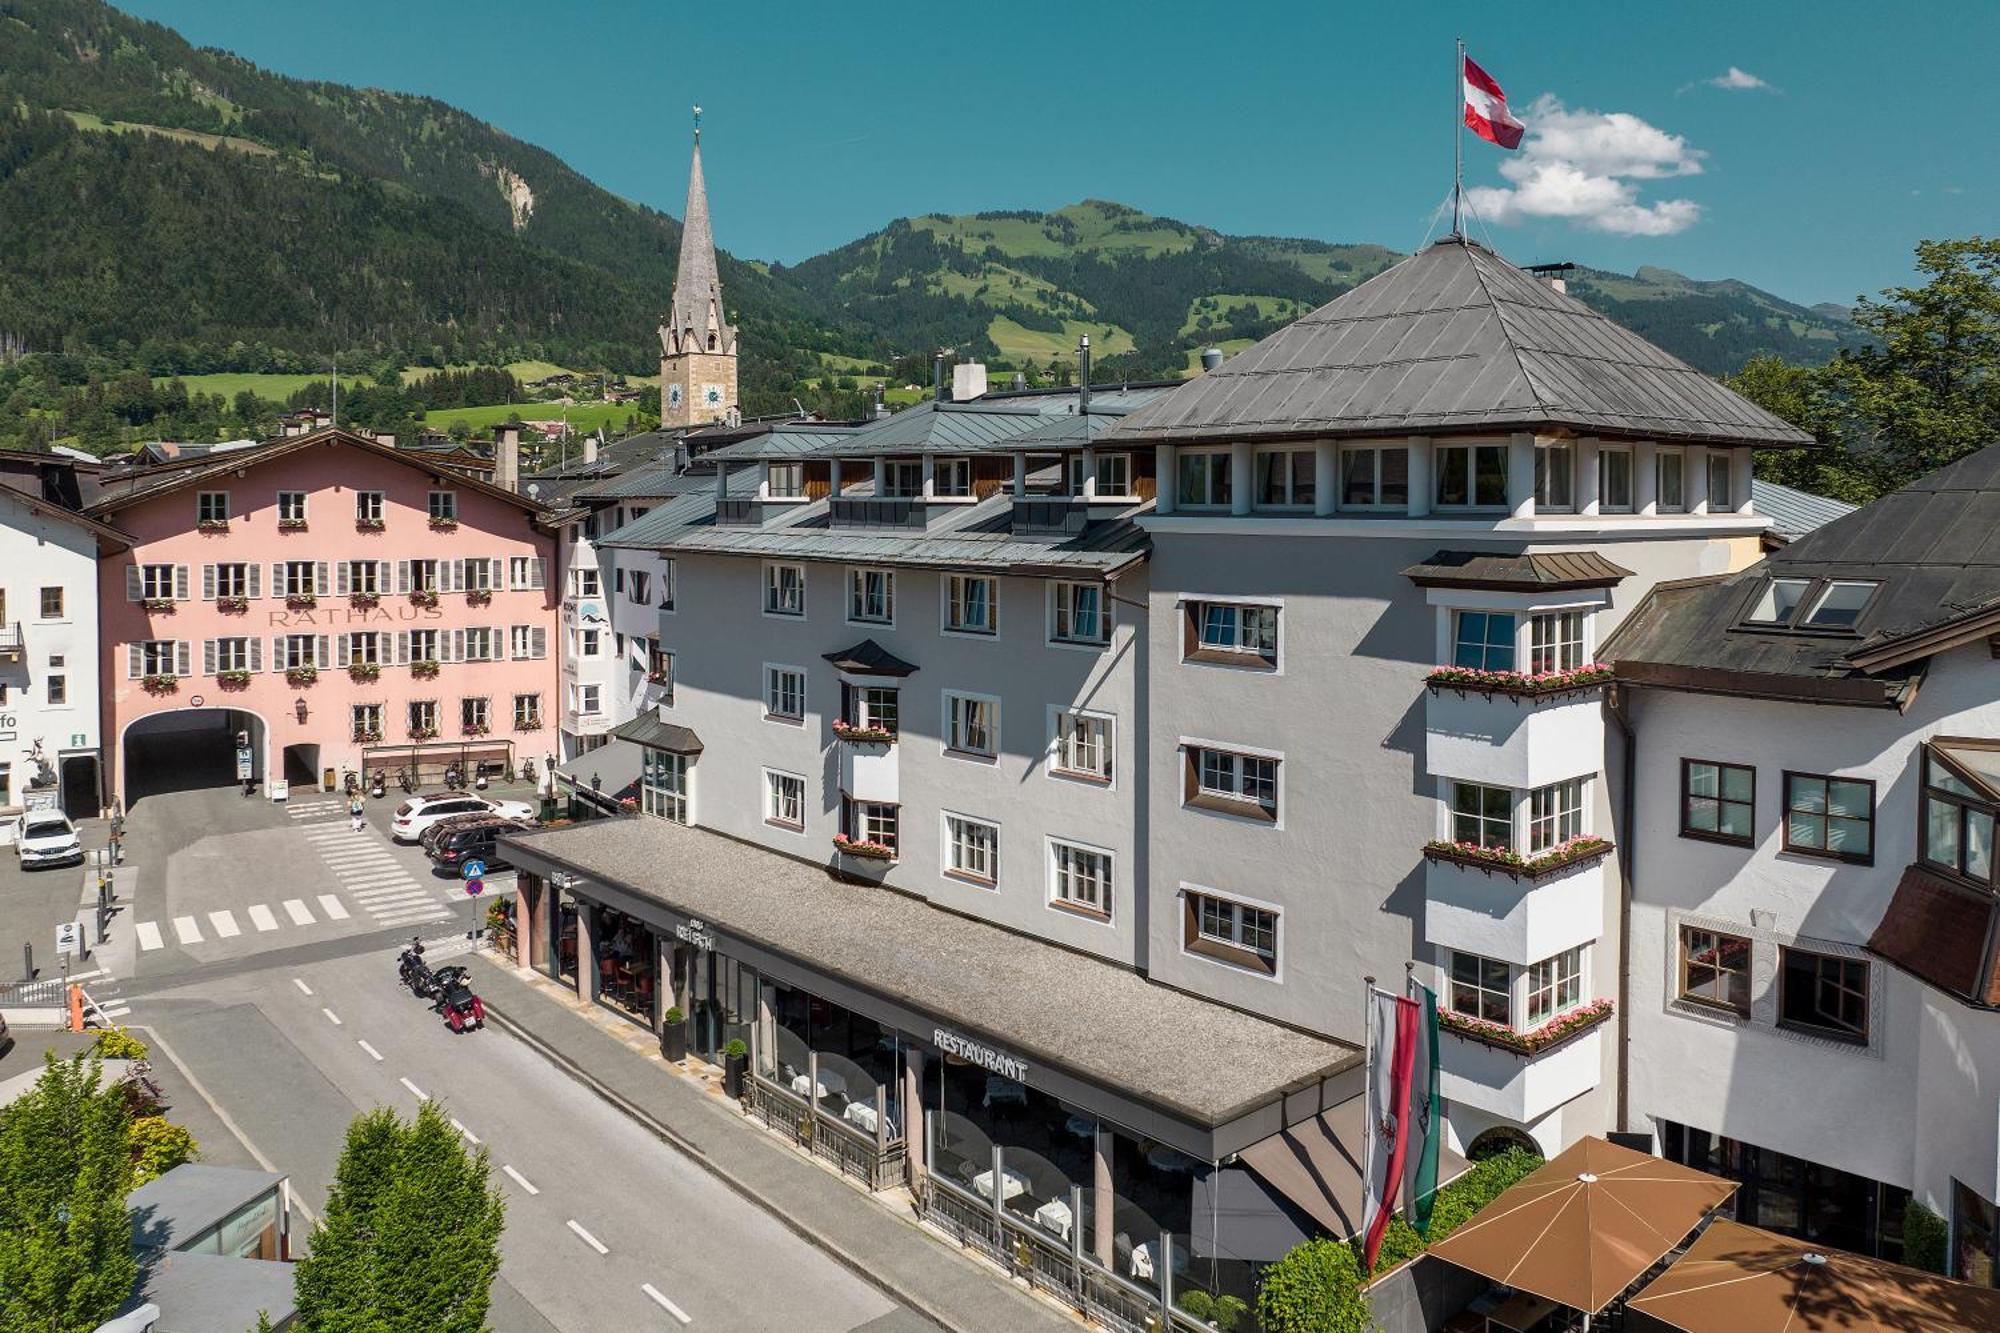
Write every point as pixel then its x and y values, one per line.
pixel 1794 513
pixel 1541 571
pixel 869 658
pixel 800 441
pixel 1455 338
pixel 652 481
pixel 678 511
pixel 647 729
pixel 938 428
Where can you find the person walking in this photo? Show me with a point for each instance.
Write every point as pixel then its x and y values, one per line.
pixel 356 812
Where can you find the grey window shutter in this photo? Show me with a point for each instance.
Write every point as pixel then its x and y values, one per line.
pixel 256 579
pixel 402 647
pixel 278 652
pixel 495 571
pixel 343 579
pixel 321 585
pixel 452 646
pixel 135 586
pixel 181 583
pixel 539 641
pixel 277 578
pixel 320 656
pixel 208 657
pixel 133 660
pixel 538 573
pixel 208 583
pixel 345 651
pixel 402 576
pixel 256 652
pixel 181 657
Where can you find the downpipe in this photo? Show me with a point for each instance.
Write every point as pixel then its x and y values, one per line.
pixel 1617 703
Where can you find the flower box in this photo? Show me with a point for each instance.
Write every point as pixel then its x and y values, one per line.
pixel 1509 862
pixel 862 848
pixel 212 525
pixel 291 525
pixel 854 735
pixel 423 670
pixel 301 601
pixel 630 803
pixel 1521 684
pixel 423 597
pixel 656 677
pixel 476 729
pixel 232 605
pixel 366 737
pixel 527 724
pixel 301 675
pixel 364 671
pixel 369 525
pixel 233 680
pixel 160 684
pixel 159 606
pixel 444 524
pixel 423 733
pixel 478 597
pixel 1552 1033
pixel 363 601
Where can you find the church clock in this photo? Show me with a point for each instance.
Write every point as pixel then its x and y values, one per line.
pixel 673 395
pixel 711 395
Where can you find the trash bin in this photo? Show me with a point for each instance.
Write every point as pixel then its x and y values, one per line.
pixel 326 780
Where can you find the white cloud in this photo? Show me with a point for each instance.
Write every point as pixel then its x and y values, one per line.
pixel 1736 80
pixel 1580 166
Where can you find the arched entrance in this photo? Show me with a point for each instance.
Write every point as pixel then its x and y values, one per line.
pixel 1498 1140
pixel 183 749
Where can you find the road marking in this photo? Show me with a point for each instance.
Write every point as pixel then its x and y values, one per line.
pixel 91 975
pixel 664 1303
pixel 411 918
pixel 331 1016
pixel 383 879
pixel 225 924
pixel 373 1054
pixel 189 932
pixel 260 917
pixel 296 909
pixel 377 892
pixel 415 1091
pixel 115 1011
pixel 588 1239
pixel 335 910
pixel 470 1137
pixel 149 935
pixel 520 1179
pixel 303 988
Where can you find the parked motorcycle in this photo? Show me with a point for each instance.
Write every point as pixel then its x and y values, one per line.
pixel 414 972
pixel 455 1000
pixel 454 778
pixel 378 791
pixel 404 781
pixel 351 785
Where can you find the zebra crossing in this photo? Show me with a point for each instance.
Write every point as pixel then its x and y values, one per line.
pixel 372 876
pixel 104 992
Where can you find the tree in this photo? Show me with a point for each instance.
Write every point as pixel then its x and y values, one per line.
pixel 410 1241
pixel 1315 1288
pixel 66 1260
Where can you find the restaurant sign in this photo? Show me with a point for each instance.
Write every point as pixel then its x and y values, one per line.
pixel 696 933
pixel 979 1053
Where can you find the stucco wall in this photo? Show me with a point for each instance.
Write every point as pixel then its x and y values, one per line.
pixel 36 552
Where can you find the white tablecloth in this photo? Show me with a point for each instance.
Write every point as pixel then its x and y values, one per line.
pixel 861 1115
pixel 1016 1183
pixel 802 1084
pixel 1142 1261
pixel 1055 1216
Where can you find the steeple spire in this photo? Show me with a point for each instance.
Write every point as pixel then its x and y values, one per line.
pixel 695 321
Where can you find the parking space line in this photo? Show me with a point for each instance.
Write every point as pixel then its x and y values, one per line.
pixel 296 910
pixel 188 931
pixel 373 1054
pixel 335 909
pixel 415 1091
pixel 261 917
pixel 588 1239
pixel 519 1179
pixel 303 988
pixel 225 924
pixel 664 1303
pixel 331 1016
pixel 470 1137
pixel 149 935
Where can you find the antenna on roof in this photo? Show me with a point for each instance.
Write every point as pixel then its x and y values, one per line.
pixel 697 126
pixel 333 417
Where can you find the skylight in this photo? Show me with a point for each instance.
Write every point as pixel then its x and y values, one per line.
pixel 1839 606
pixel 1780 600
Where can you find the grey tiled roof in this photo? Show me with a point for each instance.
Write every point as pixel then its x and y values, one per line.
pixel 939 428
pixel 1794 513
pixel 696 505
pixel 1538 571
pixel 650 481
pixel 1455 338
pixel 797 441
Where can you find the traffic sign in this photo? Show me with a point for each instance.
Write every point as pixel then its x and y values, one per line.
pixel 69 940
pixel 243 763
pixel 473 869
pixel 474 887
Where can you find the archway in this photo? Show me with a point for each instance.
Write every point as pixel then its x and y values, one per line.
pixel 184 749
pixel 1498 1140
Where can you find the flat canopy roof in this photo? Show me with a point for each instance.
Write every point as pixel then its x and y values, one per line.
pixel 1203 1064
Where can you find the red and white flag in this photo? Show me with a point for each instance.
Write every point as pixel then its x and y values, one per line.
pixel 1486 113
pixel 1392 1022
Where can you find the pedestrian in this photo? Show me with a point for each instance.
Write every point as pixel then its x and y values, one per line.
pixel 356 812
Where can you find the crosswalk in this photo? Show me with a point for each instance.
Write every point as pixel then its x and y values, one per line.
pixel 371 875
pixel 104 992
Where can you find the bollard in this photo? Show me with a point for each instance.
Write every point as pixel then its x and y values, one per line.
pixel 27 961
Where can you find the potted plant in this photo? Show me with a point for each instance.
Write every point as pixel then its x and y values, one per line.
pixel 855 734
pixel 364 671
pixel 656 677
pixel 212 525
pixel 528 724
pixel 423 597
pixel 363 601
pixel 369 524
pixel 735 1061
pixel 476 729
pixel 300 601
pixel 161 606
pixel 301 675
pixel 439 524
pixel 233 680
pixel 366 736
pixel 478 596
pixel 863 848
pixel 673 1034
pixel 423 670
pixel 423 733
pixel 291 525
pixel 232 605
pixel 160 683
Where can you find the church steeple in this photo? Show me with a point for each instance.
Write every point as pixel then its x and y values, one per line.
pixel 697 343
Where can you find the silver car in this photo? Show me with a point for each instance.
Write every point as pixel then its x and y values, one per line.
pixel 47 838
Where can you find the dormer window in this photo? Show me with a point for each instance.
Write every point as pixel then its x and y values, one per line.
pixel 1472 476
pixel 951 477
pixel 1555 477
pixel 903 478
pixel 1839 605
pixel 1780 601
pixel 785 481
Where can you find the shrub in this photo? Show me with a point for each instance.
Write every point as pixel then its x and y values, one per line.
pixel 736 1049
pixel 1924 1234
pixel 1315 1288
pixel 1197 1303
pixel 1229 1313
pixel 673 1017
pixel 158 1146
pixel 118 1044
pixel 1458 1201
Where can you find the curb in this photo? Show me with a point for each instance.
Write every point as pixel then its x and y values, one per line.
pixel 830 1245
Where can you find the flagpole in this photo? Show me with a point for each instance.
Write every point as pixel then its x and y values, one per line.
pixel 1458 137
pixel 1367 1095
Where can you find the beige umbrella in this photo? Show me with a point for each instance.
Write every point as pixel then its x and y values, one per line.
pixel 1586 1225
pixel 1740 1279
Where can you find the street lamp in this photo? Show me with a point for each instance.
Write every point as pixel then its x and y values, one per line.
pixel 300 708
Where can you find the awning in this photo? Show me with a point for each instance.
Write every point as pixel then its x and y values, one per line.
pixel 1545 571
pixel 607 774
pixel 649 730
pixel 869 658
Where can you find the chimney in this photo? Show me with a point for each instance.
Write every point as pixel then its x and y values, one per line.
pixel 968 381
pixel 937 377
pixel 881 404
pixel 507 457
pixel 1020 381
pixel 1555 275
pixel 1210 358
pixel 1083 374
pixel 589 450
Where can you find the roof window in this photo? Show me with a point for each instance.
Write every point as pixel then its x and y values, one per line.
pixel 1806 603
pixel 1839 605
pixel 1780 601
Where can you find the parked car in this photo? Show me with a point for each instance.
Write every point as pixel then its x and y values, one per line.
pixel 472 840
pixel 47 838
pixel 420 812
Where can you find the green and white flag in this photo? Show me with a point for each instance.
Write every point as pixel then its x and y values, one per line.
pixel 1426 1112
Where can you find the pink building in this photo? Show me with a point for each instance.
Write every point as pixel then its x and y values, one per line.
pixel 336 603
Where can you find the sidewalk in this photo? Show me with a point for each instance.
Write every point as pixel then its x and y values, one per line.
pixel 881 1242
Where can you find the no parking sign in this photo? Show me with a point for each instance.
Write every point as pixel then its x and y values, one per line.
pixel 474 872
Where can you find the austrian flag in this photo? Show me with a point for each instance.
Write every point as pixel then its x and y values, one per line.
pixel 1486 113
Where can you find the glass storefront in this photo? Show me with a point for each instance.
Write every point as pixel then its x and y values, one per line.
pixel 1795 1197
pixel 627 964
pixel 858 1059
pixel 1975 1233
pixel 1046 1146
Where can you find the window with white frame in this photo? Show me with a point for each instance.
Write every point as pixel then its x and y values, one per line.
pixel 368 506
pixel 524 572
pixel 528 642
pixel 1082 747
pixel 424 646
pixel 301 578
pixel 232 579
pixel 1555 815
pixel 951 477
pixel 587 699
pixel 156 657
pixel 365 720
pixel 972 724
pixel 873 821
pixel 1555 641
pixel 1375 478
pixel 871 596
pixel 640 587
pixel 1555 476
pixel 1614 480
pixel 1205 481
pixel 299 651
pixel 784 694
pixel 663 784
pixel 589 642
pixel 1471 476
pixel 784 800
pixel 1080 614
pixel 423 716
pixel 444 505
pixel 1230 931
pixel 784 590
pixel 1220 779
pixel 667 584
pixel 1285 478
pixel 156 582
pixel 873 707
pixel 587 582
pixel 1719 496
pixel 482 644
pixel 1555 986
pixel 1483 640
pixel 1080 878
pixel 971 849
pixel 1479 988
pixel 475 715
pixel 211 507
pixel 971 604
pixel 1670 481
pixel 363 578
pixel 1482 816
pixel 1114 475
pixel 903 478
pixel 527 712
pixel 363 648
pixel 291 506
pixel 232 655
pixel 428 576
pixel 785 481
pixel 1231 633
pixel 478 576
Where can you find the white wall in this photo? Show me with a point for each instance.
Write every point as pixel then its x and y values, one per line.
pixel 38 551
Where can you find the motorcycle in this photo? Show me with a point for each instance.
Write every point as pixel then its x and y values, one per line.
pixel 454 778
pixel 404 781
pixel 414 972
pixel 455 1000
pixel 378 791
pixel 351 785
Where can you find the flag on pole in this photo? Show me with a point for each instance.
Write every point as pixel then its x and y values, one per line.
pixel 1426 1128
pixel 1486 113
pixel 1392 1021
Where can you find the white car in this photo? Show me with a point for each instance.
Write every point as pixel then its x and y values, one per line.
pixel 47 838
pixel 420 812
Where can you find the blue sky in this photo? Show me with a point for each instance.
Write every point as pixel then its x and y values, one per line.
pixel 1870 129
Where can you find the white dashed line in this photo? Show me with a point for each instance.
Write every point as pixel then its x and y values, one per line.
pixel 225 924
pixel 187 930
pixel 262 918
pixel 331 1017
pixel 303 988
pixel 415 1091
pixel 588 1239
pixel 296 910
pixel 335 909
pixel 149 935
pixel 519 1179
pixel 664 1303
pixel 373 1054
pixel 470 1137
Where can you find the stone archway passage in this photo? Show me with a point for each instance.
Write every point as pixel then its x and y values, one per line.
pixel 187 748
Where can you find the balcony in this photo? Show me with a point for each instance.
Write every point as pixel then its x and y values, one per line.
pixel 12 644
pixel 739 511
pixel 1517 1085
pixel 868 771
pixel 876 511
pixel 1514 917
pixel 1512 740
pixel 1050 516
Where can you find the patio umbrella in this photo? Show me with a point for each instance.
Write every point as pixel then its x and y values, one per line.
pixel 1586 1225
pixel 1743 1279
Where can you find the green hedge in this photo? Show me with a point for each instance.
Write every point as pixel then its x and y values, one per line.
pixel 1924 1238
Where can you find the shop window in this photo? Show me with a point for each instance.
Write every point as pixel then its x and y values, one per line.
pixel 1976 1238
pixel 1715 969
pixel 1718 801
pixel 627 961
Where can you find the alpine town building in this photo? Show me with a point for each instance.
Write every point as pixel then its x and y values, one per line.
pixel 1171 714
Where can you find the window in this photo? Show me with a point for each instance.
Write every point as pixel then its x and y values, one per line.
pixel 903 478
pixel 1830 816
pixel 1958 816
pixel 873 707
pixel 424 576
pixel 482 644
pixel 211 507
pixel 873 821
pixel 1555 815
pixel 363 578
pixel 1555 476
pixel 1718 801
pixel 951 477
pixel 359 649
pixel 971 849
pixel 365 721
pixel 784 590
pixel 1374 478
pixel 1232 634
pixel 524 572
pixel 785 800
pixel 785 481
pixel 1779 601
pixel 589 642
pixel 1478 988
pixel 527 712
pixel 1081 615
pixel 1204 480
pixel 660 670
pixel 300 651
pixel 444 506
pixel 154 657
pixel 1614 480
pixel 58 690
pixel 291 506
pixel 640 587
pixel 587 699
pixel 1823 993
pixel 1715 969
pixel 971 604
pixel 1231 782
pixel 1080 878
pixel 156 582
pixel 1230 931
pixel 973 726
pixel 1082 746
pixel 1555 640
pixel 422 646
pixel 475 716
pixel 1114 475
pixel 784 694
pixel 52 604
pixel 1285 478
pixel 1482 816
pixel 1839 605
pixel 528 642
pixel 588 583
pixel 1670 480
pixel 1472 476
pixel 423 715
pixel 368 506
pixel 871 596
pixel 477 576
pixel 301 578
pixel 1555 986
pixel 663 784
pixel 1483 640
pixel 1719 465
pixel 667 583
